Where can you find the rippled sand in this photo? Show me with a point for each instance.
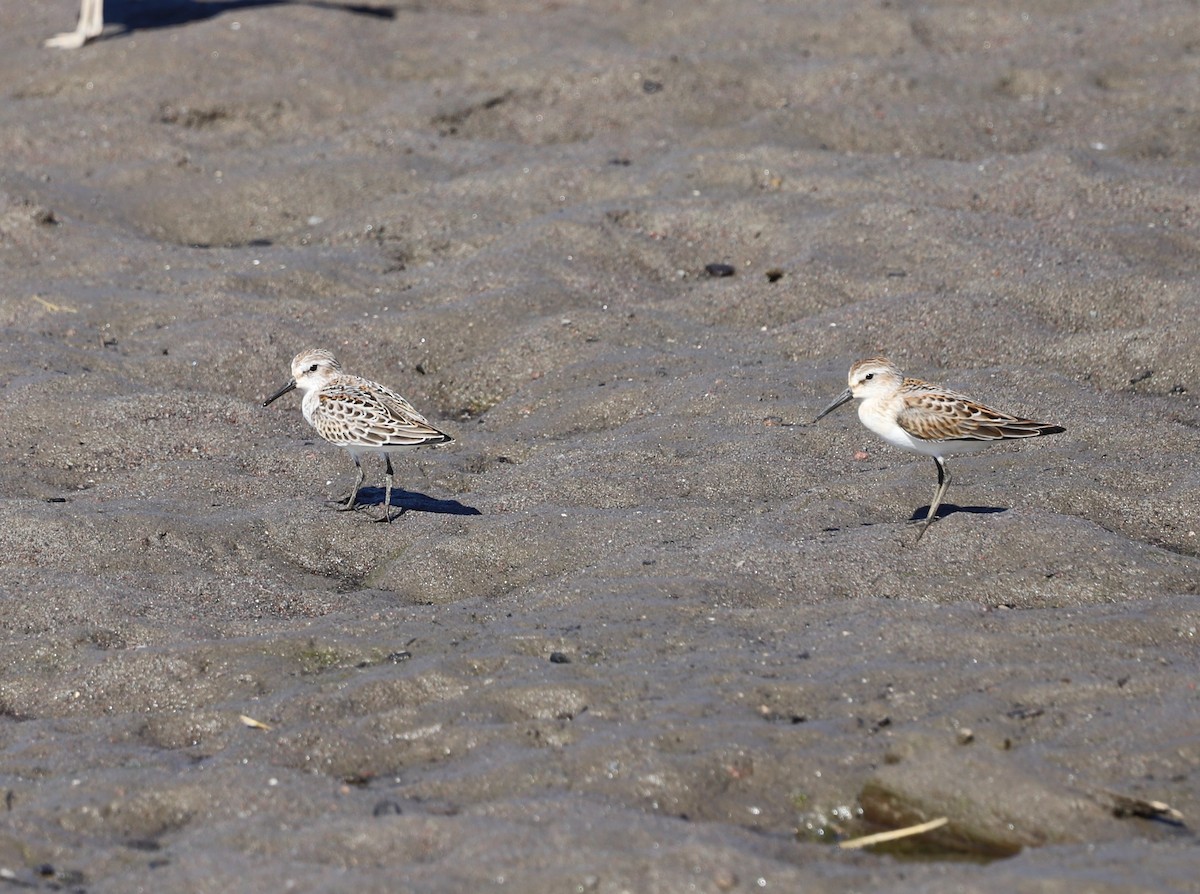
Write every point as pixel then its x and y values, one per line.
pixel 644 628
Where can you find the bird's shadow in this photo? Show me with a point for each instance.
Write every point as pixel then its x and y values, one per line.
pixel 920 513
pixel 413 501
pixel 143 15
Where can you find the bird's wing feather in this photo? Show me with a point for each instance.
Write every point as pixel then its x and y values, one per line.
pixel 932 414
pixel 349 413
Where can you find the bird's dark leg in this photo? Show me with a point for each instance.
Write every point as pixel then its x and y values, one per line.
pixel 387 491
pixel 942 485
pixel 358 480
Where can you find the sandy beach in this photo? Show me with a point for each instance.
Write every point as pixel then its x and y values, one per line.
pixel 643 626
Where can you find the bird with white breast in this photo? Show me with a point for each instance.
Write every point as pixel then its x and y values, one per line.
pixel 928 419
pixel 357 414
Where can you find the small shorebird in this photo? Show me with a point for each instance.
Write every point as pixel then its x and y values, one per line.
pixel 91 23
pixel 928 419
pixel 360 415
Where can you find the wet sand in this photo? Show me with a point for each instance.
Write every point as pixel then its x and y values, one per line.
pixel 644 627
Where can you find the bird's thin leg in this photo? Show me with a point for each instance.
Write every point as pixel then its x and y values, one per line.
pixel 94 17
pixel 91 23
pixel 942 485
pixel 936 498
pixel 358 480
pixel 387 492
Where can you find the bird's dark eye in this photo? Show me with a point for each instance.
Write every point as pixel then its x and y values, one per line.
pixel 313 368
pixel 868 377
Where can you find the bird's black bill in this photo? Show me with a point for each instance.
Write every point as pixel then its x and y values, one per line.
pixel 841 399
pixel 281 392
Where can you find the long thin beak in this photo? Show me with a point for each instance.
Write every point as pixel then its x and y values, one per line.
pixel 281 392
pixel 841 399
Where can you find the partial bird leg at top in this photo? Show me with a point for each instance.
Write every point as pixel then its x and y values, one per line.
pixel 91 23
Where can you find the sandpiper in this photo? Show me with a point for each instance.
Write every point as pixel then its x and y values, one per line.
pixel 362 416
pixel 928 419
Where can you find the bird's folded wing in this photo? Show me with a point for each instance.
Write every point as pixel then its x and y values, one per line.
pixel 954 418
pixel 379 417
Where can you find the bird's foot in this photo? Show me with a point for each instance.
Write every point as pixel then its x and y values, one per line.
pixel 68 40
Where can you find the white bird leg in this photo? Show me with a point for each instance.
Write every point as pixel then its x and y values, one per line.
pixel 91 23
